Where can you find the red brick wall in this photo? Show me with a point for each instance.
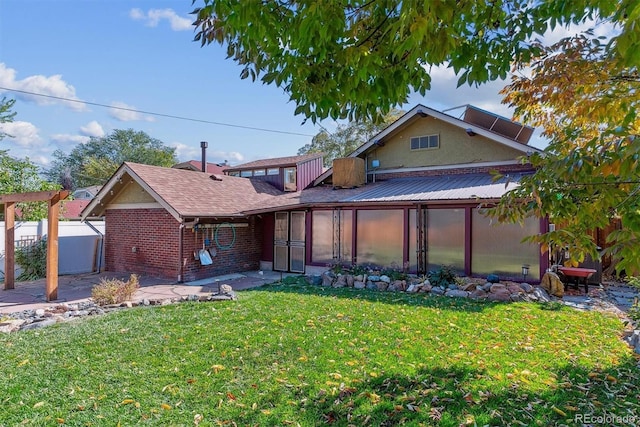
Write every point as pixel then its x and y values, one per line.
pixel 232 255
pixel 155 235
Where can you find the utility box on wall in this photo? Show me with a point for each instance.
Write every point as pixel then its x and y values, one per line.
pixel 348 172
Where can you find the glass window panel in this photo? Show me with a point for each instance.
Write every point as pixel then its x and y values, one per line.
pixel 236 173
pixel 258 172
pixel 290 179
pixel 445 238
pixel 434 141
pixel 380 237
pixel 322 236
pixel 281 232
pixel 415 143
pixel 273 171
pixel 346 234
pixel 497 248
pixel 297 227
pixel 331 234
pixel 245 173
pixel 280 258
pixel 297 259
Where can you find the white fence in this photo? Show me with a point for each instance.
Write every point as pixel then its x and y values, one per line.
pixel 80 244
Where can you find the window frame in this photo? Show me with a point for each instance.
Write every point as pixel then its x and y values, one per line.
pixel 429 139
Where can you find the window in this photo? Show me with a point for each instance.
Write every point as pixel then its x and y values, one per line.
pixel 425 142
pixel 290 179
pixel 235 173
pixel 245 173
pixel 258 172
pixel 273 171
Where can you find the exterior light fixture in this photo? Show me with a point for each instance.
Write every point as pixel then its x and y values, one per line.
pixel 525 271
pixel 470 132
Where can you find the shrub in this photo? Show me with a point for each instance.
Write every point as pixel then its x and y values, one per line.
pixel 444 276
pixel 33 260
pixel 114 291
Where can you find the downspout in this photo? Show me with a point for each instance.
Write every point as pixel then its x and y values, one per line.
pixel 91 226
pixel 180 252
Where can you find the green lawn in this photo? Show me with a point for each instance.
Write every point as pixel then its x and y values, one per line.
pixel 290 354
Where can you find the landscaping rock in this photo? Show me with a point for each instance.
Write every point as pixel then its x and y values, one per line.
pixel 437 290
pixel 314 280
pixel 501 295
pixel 358 284
pixel 38 325
pixel 478 294
pixel 456 293
pixel 493 278
pixel 350 280
pixel 497 287
pixel 526 287
pixel 541 294
pixel 340 282
pixel 385 279
pixel 412 289
pixel 381 285
pixel 469 287
pixel 11 325
pixel 327 279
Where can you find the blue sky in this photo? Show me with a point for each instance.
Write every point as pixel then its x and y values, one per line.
pixel 140 55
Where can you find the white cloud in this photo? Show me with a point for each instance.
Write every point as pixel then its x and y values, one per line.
pixel 24 134
pixel 54 89
pixel 153 17
pixel 66 138
pixel 92 128
pixel 127 113
pixel 192 152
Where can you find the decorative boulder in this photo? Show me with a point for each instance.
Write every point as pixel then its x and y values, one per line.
pixel 552 284
pixel 493 278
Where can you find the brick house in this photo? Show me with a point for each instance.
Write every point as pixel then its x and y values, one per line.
pixel 408 197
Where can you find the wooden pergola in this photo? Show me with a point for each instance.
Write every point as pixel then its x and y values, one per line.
pixel 9 201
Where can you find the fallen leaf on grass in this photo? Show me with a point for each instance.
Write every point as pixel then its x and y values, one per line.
pixel 165 406
pixel 37 405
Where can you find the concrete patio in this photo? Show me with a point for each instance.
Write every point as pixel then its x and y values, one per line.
pixel 77 288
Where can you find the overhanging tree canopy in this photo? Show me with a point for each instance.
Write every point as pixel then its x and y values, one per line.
pixel 357 59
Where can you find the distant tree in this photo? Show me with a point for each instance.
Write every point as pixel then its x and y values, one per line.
pixel 20 176
pixel 347 137
pixel 356 59
pixel 94 162
pixel 6 115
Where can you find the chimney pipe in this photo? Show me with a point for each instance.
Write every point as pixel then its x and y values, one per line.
pixel 204 145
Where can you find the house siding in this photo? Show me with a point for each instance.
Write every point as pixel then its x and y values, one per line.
pixel 456 147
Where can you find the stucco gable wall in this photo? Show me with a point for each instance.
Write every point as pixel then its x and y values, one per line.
pixel 132 194
pixel 456 147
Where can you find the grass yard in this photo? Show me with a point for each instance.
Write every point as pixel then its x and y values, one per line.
pixel 291 354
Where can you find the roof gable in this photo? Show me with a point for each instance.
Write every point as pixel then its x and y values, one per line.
pixel 183 193
pixel 500 142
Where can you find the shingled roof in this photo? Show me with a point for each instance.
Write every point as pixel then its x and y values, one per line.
pixel 185 193
pixel 276 162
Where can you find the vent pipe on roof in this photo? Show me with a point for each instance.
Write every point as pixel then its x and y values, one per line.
pixel 203 146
